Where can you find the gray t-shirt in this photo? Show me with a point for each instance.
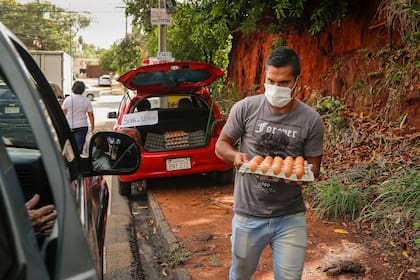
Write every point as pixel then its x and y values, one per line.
pixel 264 131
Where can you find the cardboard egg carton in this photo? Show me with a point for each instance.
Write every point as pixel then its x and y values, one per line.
pixel 175 135
pixel 269 175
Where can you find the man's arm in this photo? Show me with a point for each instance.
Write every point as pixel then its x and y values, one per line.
pixel 226 151
pixel 316 164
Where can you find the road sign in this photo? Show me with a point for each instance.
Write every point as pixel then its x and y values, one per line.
pixel 165 56
pixel 160 17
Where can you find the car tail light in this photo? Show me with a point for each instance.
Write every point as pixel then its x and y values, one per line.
pixel 132 132
pixel 217 126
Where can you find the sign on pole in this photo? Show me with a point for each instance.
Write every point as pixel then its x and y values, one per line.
pixel 165 56
pixel 160 17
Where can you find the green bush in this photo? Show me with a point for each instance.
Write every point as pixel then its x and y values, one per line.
pixel 336 199
pixel 396 206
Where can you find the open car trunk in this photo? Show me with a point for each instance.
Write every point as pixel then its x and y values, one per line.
pixel 175 125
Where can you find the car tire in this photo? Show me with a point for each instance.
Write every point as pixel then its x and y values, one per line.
pixel 124 188
pixel 90 97
pixel 223 177
pixel 142 189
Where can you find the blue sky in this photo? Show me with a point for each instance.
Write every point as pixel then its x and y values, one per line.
pixel 107 19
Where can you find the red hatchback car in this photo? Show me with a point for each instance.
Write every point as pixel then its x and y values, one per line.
pixel 172 116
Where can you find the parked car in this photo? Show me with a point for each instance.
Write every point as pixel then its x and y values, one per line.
pixel 174 120
pixel 38 155
pixel 91 92
pixel 104 80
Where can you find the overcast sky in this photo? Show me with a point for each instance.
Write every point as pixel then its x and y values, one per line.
pixel 107 19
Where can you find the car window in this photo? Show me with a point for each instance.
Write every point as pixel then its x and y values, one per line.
pixel 14 127
pixel 175 101
pixel 170 77
pixel 123 103
pixel 22 148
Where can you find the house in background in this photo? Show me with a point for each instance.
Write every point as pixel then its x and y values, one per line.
pixel 87 68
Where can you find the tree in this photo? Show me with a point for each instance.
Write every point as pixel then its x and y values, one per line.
pixel 140 10
pixel 194 37
pixel 123 55
pixel 190 37
pixel 42 25
pixel 106 59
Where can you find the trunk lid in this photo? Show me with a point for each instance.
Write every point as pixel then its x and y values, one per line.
pixel 171 77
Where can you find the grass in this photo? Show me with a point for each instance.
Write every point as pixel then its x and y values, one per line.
pixel 396 206
pixel 334 198
pixel 214 261
pixel 389 202
pixel 178 256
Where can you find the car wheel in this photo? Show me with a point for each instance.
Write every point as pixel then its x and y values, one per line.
pixel 140 188
pixel 223 177
pixel 90 97
pixel 124 188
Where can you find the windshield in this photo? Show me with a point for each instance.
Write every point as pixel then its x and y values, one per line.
pixel 14 127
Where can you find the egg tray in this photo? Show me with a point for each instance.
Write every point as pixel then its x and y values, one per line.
pixel 156 142
pixel 175 135
pixel 269 175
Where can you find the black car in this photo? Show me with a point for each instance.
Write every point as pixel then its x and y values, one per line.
pixel 38 155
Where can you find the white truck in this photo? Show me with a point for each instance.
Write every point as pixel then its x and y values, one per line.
pixel 57 67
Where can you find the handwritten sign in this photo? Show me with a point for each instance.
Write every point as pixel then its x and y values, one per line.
pixel 140 119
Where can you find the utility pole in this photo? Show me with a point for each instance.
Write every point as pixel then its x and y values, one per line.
pixel 162 30
pixel 126 20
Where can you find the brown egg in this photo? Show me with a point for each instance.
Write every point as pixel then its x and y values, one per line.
pixel 299 167
pixel 288 166
pixel 299 171
pixel 253 165
pixel 264 167
pixel 277 165
pixel 255 162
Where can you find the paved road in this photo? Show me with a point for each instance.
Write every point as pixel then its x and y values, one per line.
pixel 126 255
pixel 102 106
pixel 117 255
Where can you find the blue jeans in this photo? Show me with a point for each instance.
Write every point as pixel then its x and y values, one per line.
pixel 80 136
pixel 286 236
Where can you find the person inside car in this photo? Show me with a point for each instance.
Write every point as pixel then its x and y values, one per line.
pixel 43 218
pixel 185 103
pixel 143 105
pixel 101 158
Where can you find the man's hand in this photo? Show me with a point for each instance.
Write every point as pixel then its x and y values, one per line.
pixel 239 159
pixel 43 218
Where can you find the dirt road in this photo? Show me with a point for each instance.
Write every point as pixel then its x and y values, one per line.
pixel 199 214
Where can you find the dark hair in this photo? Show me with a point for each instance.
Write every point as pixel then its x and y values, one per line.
pixel 284 56
pixel 143 105
pixel 78 87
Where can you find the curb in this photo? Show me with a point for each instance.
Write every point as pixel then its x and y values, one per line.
pixel 169 239
pixel 116 235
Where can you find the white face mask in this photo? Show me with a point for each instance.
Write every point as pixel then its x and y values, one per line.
pixel 277 96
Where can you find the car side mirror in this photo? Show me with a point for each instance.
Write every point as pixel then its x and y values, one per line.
pixel 113 153
pixel 112 115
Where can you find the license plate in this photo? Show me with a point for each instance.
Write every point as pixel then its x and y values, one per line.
pixel 11 110
pixel 178 164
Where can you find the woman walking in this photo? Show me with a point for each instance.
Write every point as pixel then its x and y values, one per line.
pixel 77 108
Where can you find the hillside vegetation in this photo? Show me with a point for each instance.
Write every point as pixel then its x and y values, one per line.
pixel 362 75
